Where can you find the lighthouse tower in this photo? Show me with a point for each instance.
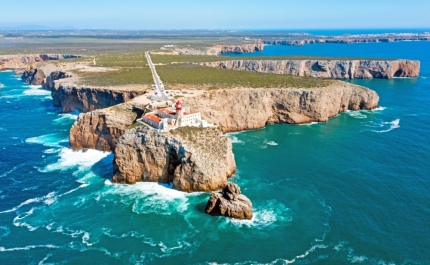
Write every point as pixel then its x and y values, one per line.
pixel 179 113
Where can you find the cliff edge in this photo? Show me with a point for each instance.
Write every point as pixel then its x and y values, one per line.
pixel 336 69
pixel 193 159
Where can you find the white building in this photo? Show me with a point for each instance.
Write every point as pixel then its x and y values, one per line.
pixel 169 118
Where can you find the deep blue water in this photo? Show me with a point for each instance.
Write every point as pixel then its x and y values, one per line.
pixel 354 190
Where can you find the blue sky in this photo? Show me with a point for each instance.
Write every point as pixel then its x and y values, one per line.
pixel 219 14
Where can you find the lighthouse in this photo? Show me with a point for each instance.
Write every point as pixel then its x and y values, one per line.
pixel 179 113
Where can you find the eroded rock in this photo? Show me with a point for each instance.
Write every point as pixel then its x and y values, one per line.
pixel 230 202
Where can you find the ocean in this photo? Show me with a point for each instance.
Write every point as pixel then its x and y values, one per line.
pixel 354 190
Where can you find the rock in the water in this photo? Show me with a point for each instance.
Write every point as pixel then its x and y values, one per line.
pixel 230 202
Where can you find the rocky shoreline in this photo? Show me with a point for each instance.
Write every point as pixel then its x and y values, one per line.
pixel 193 159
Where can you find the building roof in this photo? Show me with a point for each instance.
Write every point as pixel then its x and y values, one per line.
pixel 152 118
pixel 167 111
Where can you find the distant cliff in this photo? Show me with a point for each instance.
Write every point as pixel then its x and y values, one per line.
pixel 193 159
pixel 22 61
pixel 337 69
pixel 219 49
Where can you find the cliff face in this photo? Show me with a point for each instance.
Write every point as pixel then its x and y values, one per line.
pixel 245 109
pixel 71 98
pixel 33 76
pixel 22 61
pixel 239 49
pixel 102 128
pixel 337 69
pixel 193 159
pixel 218 49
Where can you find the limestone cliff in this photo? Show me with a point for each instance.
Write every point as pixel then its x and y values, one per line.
pixel 338 69
pixel 85 99
pixel 245 109
pixel 22 61
pixel 101 129
pixel 33 76
pixel 193 159
pixel 219 49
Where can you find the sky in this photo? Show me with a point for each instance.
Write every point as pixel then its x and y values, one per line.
pixel 218 14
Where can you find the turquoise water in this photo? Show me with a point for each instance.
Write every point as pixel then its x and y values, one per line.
pixel 354 190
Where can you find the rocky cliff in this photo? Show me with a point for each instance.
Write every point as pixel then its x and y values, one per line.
pixel 193 159
pixel 33 76
pixel 245 109
pixel 338 69
pixel 85 99
pixel 101 129
pixel 238 49
pixel 219 49
pixel 22 61
pixel 233 110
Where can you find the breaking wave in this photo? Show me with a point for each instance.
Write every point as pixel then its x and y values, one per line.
pixel 388 126
pixel 272 213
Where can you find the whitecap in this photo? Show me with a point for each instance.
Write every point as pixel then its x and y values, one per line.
pixel 392 125
pixel 308 124
pixel 264 216
pixel 3 249
pixel 356 114
pixel 49 140
pixel 70 159
pixel 36 91
pixel 272 143
pixel 16 221
pixel 65 117
pixel 235 140
pixel 151 197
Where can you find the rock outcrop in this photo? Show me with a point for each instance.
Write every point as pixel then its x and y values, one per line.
pixel 336 69
pixel 22 61
pixel 193 159
pixel 230 202
pixel 33 76
pixel 101 129
pixel 246 109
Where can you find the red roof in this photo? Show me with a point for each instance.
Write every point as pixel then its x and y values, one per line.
pixel 168 111
pixel 152 117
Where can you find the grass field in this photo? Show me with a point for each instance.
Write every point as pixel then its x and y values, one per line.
pixel 221 78
pixel 125 76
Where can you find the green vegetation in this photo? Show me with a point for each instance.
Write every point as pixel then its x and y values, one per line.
pixel 126 76
pixel 213 77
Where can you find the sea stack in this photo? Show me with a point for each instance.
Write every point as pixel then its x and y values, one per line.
pixel 230 202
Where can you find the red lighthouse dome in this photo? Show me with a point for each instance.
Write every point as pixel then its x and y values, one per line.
pixel 178 105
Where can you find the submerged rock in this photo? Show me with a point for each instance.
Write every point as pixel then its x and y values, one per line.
pixel 230 202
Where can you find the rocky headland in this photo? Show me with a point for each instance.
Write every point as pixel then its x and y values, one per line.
pixel 336 69
pixel 192 158
pixel 102 128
